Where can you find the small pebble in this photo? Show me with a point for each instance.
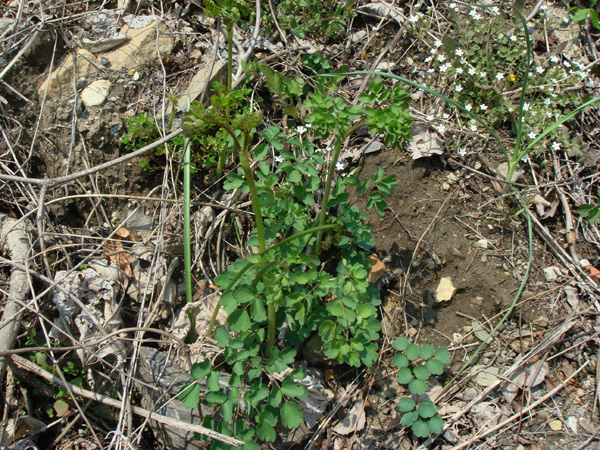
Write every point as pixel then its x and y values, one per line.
pixel 104 61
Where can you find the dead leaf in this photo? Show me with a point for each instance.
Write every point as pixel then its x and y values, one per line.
pixel 62 408
pixel 124 233
pixel 354 421
pixel 424 142
pixel 377 269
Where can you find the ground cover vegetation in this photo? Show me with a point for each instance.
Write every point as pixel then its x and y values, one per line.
pixel 296 250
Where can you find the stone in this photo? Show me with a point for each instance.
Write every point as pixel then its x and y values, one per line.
pixel 572 424
pixel 144 44
pixel 445 290
pixel 502 169
pixel 60 81
pixel 486 376
pixel 550 273
pixel 445 186
pixel 482 243
pixel 555 425
pixel 96 93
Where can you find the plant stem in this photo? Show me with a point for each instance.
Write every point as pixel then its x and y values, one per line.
pixel 229 24
pixel 187 246
pixel 330 174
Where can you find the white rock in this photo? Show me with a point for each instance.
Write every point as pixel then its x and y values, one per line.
pixel 482 243
pixel 445 290
pixel 550 273
pixel 95 94
pixel 572 424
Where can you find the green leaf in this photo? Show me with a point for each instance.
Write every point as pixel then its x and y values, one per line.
pixel 436 423
pixel 233 181
pixel 292 388
pixel 239 321
pixel 405 375
pixel 244 294
pixel 443 355
pixel 581 14
pixel 435 367
pixel 265 432
pixel 418 387
pixel 250 446
pixel 427 351
pixel 400 343
pixel 294 177
pixel 421 372
pixel 412 352
pixel 215 397
pixel 200 370
pixel 227 409
pixel 275 397
pixel 420 428
pixel 212 382
pixel 427 409
pixel 406 404
pixel 258 310
pixel 190 396
pixel 222 337
pixel 409 418
pixel 291 415
pixel 400 360
pixel 257 392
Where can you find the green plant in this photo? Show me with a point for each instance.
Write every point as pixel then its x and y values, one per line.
pixel 416 364
pixel 580 14
pixel 481 73
pixel 591 212
pixel 310 274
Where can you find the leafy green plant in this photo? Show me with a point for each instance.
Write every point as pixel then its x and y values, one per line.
pixel 481 73
pixel 310 274
pixel 591 212
pixel 416 364
pixel 580 14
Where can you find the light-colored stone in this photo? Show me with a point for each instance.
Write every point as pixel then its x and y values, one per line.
pixel 445 290
pixel 61 80
pixel 482 243
pixel 550 273
pixel 486 376
pixel 143 45
pixel 96 93
pixel 555 425
pixel 445 186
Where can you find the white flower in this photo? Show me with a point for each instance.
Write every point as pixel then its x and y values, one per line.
pixel 512 37
pixel 482 74
pixel 549 114
pixel 458 88
pixel 301 130
pixel 526 106
pixel 428 59
pixel 472 71
pixel 468 107
pixel 339 166
pixel 453 6
pixel 445 67
pixel 459 52
pixel 532 135
pixel 566 63
pixel 437 44
pixel 525 159
pixel 483 107
pixel 441 128
pixel 555 146
pixel 446 116
pixel 554 59
pixel 473 127
pixel 539 69
pixel 547 101
pixel 462 151
pixel 430 71
pixel 499 76
pixel 433 51
pixel 278 159
pixel 509 109
pixel 495 10
pixel 459 70
pixel 441 57
pixel 429 118
pixel 413 19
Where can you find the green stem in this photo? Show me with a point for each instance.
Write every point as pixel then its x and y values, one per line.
pixel 187 246
pixel 229 24
pixel 330 174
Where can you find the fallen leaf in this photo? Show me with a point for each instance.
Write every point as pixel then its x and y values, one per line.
pixel 354 421
pixel 377 269
pixel 424 142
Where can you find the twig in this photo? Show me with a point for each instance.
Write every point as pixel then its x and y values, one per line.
pixel 28 365
pixel 523 412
